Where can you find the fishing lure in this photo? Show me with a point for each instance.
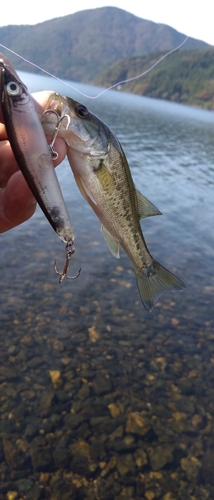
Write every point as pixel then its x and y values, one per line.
pixel 31 151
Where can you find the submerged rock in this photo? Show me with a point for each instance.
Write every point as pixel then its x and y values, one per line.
pixel 159 456
pixel 136 424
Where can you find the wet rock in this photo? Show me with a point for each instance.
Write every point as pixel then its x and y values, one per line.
pixel 56 378
pixel 58 345
pixel 31 431
pixel 124 445
pixel 110 466
pixel 47 400
pixel 140 457
pixel 169 496
pixel 207 466
pixel 101 385
pixel 61 457
pixel 84 392
pixel 125 464
pixel 191 466
pixel 35 362
pixel 159 456
pixel 12 454
pixel 117 433
pixel 73 420
pixel 81 448
pixel 39 441
pixel 24 485
pixel 98 451
pixel 115 409
pixel 35 493
pixel 199 421
pixel 7 427
pixel 80 465
pixel 182 423
pixel 41 459
pixel 186 386
pixel 184 404
pixel 149 495
pixel 7 373
pixel 64 490
pixel 93 334
pixel 126 493
pixel 136 424
pixel 12 495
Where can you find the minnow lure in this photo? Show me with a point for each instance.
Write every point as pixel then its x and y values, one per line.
pixel 30 148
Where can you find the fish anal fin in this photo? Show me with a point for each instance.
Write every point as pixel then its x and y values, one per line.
pixel 113 245
pixel 145 207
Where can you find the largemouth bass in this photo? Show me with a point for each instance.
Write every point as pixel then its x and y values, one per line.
pixel 30 149
pixel 103 176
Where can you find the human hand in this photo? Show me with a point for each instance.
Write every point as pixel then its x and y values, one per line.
pixel 17 204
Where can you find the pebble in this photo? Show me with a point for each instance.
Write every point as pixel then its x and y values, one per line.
pixel 93 334
pixel 136 424
pixel 191 466
pixel 12 495
pixel 160 456
pixel 56 379
pixel 115 409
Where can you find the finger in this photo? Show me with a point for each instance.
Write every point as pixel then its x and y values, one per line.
pixel 8 163
pixel 17 203
pixel 3 133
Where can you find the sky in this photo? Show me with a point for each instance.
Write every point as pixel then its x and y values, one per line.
pixel 190 17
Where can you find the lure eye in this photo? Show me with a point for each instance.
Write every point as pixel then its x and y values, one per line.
pixel 13 88
pixel 81 111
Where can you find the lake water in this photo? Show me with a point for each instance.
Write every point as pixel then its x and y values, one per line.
pixel 100 400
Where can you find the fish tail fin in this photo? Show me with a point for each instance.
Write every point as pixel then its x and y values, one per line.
pixel 155 280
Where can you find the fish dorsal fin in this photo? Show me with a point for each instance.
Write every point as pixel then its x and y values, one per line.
pixel 145 207
pixel 113 245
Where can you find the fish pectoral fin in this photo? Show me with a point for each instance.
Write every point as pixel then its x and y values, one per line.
pixel 113 245
pixel 145 207
pixel 105 178
pixel 84 190
pixel 155 280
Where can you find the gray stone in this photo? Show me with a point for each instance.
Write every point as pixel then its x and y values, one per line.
pixel 24 485
pixel 191 466
pixel 73 420
pixel 47 400
pixel 125 464
pixel 207 466
pixel 41 459
pixel 101 385
pixel 159 456
pixel 61 457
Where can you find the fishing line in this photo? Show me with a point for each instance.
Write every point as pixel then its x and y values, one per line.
pixel 109 88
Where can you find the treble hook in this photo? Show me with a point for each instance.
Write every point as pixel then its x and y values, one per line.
pixel 70 249
pixel 52 149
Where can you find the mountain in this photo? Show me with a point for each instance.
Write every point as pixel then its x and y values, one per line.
pixel 82 45
pixel 186 77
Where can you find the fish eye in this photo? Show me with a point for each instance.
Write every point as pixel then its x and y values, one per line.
pixel 81 111
pixel 13 88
